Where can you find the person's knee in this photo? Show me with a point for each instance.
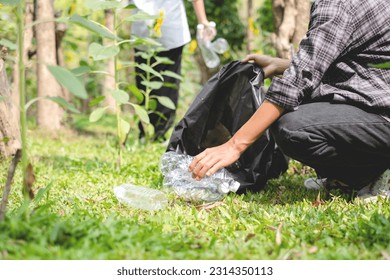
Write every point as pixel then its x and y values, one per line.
pixel 297 140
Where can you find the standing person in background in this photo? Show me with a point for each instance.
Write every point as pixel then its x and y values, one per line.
pixel 331 108
pixel 175 34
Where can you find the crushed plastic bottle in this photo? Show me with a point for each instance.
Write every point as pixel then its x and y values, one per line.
pixel 177 178
pixel 210 49
pixel 220 45
pixel 141 197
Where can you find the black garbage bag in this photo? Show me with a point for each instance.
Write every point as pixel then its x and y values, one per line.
pixel 223 105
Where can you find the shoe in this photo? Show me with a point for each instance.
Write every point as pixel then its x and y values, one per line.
pixel 314 183
pixel 378 188
pixel 321 183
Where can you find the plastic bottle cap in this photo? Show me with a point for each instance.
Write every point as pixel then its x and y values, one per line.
pixel 200 26
pixel 212 24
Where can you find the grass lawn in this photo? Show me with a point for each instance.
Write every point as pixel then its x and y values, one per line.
pixel 76 215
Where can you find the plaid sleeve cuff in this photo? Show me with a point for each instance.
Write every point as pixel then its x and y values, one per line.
pixel 284 94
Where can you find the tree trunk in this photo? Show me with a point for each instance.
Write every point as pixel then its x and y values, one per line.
pixel 291 18
pixel 9 122
pixel 249 32
pixel 60 33
pixel 109 80
pixel 302 21
pixel 49 114
pixel 205 72
pixel 27 38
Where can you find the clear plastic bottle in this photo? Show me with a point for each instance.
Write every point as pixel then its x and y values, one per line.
pixel 177 178
pixel 203 37
pixel 220 45
pixel 141 197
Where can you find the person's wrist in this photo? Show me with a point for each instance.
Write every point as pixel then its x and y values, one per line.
pixel 207 24
pixel 237 146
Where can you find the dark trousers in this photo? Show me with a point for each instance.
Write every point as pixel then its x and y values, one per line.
pixel 163 118
pixel 339 141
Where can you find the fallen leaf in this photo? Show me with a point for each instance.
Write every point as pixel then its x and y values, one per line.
pixel 278 235
pixel 318 201
pixel 271 227
pixel 209 206
pixel 249 237
pixel 386 255
pixel 312 250
pixel 30 179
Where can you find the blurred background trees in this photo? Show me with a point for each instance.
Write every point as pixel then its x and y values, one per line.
pixel 272 27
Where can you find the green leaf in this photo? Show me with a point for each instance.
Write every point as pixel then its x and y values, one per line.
pixel 150 129
pixel 170 85
pixel 97 5
pixel 42 191
pixel 136 92
pixel 152 85
pixel 141 113
pixel 130 7
pixel 96 100
pixel 143 54
pixel 63 103
pixel 165 101
pixel 145 41
pixel 92 26
pixel 97 114
pixel 152 105
pixel 99 52
pixel 120 96
pixel 385 65
pixel 140 16
pixel 124 128
pixel 128 64
pixel 163 60
pixel 150 70
pixel 8 44
pixel 10 2
pixel 172 75
pixel 81 70
pixel 69 81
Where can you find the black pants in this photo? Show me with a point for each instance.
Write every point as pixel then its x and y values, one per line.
pixel 163 118
pixel 339 141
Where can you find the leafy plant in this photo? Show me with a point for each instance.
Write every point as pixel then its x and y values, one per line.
pixel 63 76
pixel 145 101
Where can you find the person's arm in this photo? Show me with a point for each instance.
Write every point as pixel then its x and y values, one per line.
pixel 209 30
pixel 272 66
pixel 331 32
pixel 212 159
pixel 200 12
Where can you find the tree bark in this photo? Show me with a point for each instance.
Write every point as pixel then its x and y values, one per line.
pixel 291 19
pixel 8 183
pixel 27 38
pixel 249 32
pixel 61 29
pixel 302 21
pixel 9 122
pixel 49 114
pixel 109 80
pixel 205 72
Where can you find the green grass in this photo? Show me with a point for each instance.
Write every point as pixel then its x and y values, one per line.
pixel 76 215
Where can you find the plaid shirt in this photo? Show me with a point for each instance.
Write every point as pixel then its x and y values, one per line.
pixel 334 61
